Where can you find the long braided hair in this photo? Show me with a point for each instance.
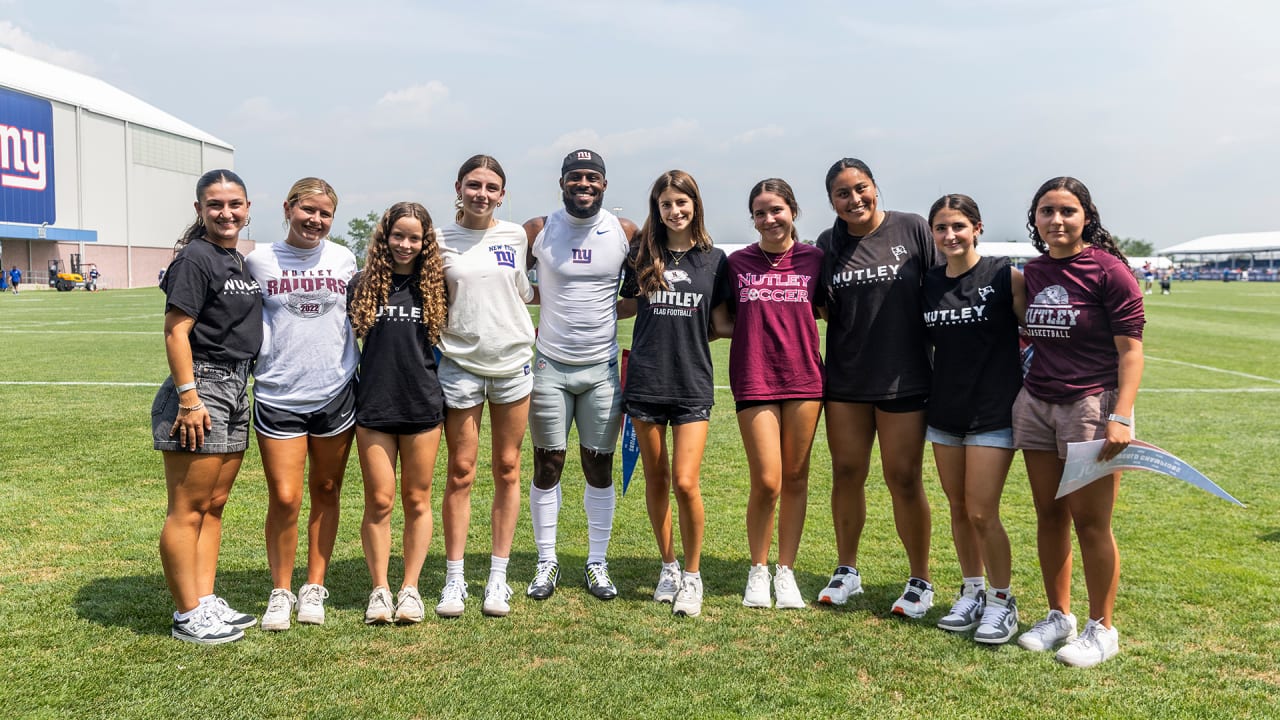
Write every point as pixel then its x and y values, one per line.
pixel 1094 234
pixel 374 288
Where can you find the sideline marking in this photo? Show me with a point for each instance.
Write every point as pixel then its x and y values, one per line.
pixel 1215 369
pixel 77 332
pixel 1144 391
pixel 77 382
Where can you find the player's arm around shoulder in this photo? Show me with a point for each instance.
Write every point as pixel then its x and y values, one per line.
pixel 533 228
pixel 1018 287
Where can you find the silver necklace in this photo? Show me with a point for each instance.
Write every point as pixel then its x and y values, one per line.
pixel 783 256
pixel 230 253
pixel 401 286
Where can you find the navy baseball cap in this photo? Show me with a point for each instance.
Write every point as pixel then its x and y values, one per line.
pixel 582 160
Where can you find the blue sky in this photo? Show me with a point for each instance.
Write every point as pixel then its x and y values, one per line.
pixel 1169 111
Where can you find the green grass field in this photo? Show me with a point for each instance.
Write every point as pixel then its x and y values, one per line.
pixel 84 613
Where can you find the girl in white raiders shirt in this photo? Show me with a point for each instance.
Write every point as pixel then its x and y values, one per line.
pixel 487 348
pixel 303 394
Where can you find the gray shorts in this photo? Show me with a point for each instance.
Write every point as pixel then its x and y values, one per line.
pixel 464 389
pixel 1042 425
pixel 590 395
pixel 222 388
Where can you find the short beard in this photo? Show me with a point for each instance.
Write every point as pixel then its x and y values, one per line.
pixel 583 213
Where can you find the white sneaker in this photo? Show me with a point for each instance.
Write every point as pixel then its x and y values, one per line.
pixel 1095 645
pixel 451 598
pixel 379 609
pixel 229 615
pixel 845 583
pixel 279 610
pixel 204 627
pixel 757 592
pixel 668 584
pixel 966 611
pixel 497 600
pixel 409 608
pixel 999 619
pixel 916 599
pixel 688 601
pixel 311 599
pixel 785 589
pixel 1047 633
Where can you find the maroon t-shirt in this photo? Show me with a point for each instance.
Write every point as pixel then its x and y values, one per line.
pixel 1076 308
pixel 775 353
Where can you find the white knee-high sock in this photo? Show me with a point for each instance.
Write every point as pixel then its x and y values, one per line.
pixel 544 509
pixel 599 504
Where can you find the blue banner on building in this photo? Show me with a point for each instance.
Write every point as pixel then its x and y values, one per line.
pixel 26 159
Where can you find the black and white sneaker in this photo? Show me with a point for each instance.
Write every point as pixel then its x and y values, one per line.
pixel 230 615
pixel 545 578
pixel 204 628
pixel 598 582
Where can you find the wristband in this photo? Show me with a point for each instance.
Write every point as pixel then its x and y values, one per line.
pixel 1126 421
pixel 186 386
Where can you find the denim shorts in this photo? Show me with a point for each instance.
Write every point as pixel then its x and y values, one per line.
pixel 464 389
pixel 1042 425
pixel 667 413
pixel 590 395
pixel 333 419
pixel 223 388
pixel 1002 438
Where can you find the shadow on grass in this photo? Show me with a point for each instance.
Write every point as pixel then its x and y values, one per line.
pixel 1273 536
pixel 141 603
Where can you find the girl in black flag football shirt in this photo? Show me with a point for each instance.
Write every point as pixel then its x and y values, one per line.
pixel 673 280
pixel 200 416
pixel 397 307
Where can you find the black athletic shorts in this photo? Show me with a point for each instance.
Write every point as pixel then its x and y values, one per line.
pixel 333 419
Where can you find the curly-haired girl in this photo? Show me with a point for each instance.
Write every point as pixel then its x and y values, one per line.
pixel 397 308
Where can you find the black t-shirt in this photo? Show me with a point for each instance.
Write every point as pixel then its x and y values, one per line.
pixel 876 345
pixel 210 284
pixel 670 359
pixel 976 367
pixel 397 383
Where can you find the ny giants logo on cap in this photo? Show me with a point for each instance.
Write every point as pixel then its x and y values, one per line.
pixel 584 154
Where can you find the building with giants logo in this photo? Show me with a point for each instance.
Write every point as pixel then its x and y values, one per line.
pixel 92 177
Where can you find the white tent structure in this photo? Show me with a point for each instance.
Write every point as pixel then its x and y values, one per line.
pixel 1264 244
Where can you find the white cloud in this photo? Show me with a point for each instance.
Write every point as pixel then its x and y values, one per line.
pixel 414 106
pixel 754 135
pixel 627 142
pixel 18 40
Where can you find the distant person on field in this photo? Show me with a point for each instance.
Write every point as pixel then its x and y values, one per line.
pixel 15 277
pixel 1085 320
pixel 1166 282
pixel 1148 275
pixel 304 394
pixel 200 416
pixel 578 251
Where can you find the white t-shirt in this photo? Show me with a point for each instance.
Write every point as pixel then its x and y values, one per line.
pixel 579 266
pixel 490 332
pixel 308 350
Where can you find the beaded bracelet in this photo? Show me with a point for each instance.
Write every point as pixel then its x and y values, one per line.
pixel 192 408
